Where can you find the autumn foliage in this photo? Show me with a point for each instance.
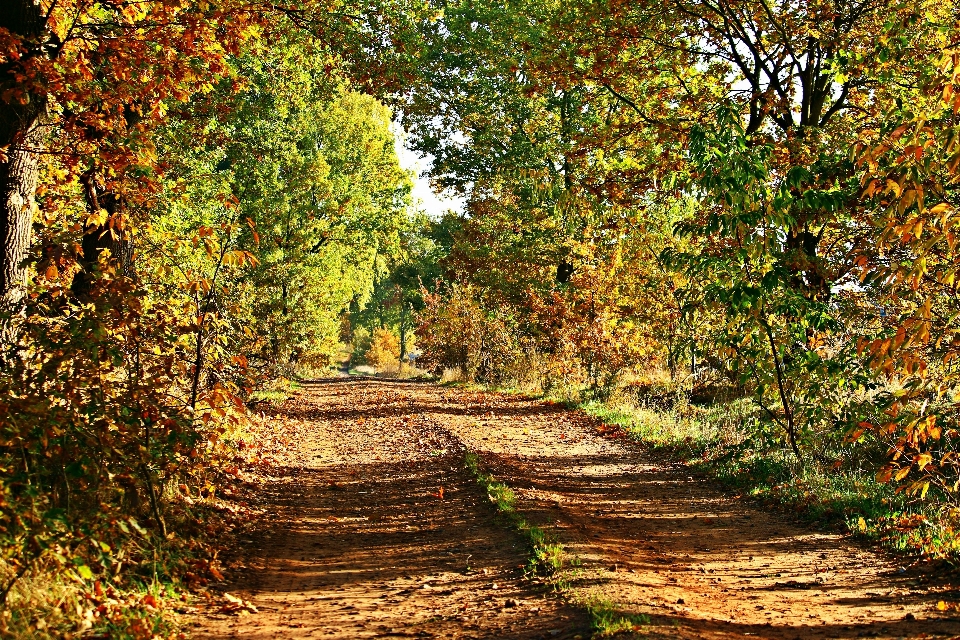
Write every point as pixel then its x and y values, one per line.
pixel 384 351
pixel 752 200
pixel 193 194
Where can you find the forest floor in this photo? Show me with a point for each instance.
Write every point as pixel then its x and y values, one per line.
pixel 371 526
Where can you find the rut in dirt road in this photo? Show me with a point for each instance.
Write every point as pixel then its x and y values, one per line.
pixel 363 543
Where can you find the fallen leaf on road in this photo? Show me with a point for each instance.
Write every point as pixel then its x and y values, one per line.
pixel 236 606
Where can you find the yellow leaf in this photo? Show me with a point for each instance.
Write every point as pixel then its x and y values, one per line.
pixel 97 219
pixel 940 208
pixel 909 197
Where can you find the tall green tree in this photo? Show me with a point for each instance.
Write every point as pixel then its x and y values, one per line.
pixel 305 171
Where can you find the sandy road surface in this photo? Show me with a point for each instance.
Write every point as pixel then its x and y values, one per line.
pixel 360 541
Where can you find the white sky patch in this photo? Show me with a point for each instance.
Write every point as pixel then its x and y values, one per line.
pixel 435 205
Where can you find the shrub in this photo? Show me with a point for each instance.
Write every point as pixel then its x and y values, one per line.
pixel 456 332
pixel 384 349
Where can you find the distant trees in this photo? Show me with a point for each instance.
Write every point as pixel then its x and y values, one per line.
pixel 303 170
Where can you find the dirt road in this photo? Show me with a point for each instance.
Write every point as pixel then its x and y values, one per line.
pixel 374 529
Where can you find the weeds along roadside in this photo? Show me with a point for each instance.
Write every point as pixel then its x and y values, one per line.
pixel 113 575
pixel 549 560
pixel 546 553
pixel 118 579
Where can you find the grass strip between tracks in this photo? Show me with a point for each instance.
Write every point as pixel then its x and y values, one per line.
pixel 548 558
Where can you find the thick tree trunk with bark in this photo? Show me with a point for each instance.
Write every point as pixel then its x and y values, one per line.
pixel 20 113
pixel 18 183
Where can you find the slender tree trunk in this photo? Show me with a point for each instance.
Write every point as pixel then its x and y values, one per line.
pixel 784 399
pixel 693 358
pixel 403 330
pixel 111 235
pixel 671 358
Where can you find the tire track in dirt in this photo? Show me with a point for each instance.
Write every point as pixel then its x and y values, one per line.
pixel 699 562
pixel 359 541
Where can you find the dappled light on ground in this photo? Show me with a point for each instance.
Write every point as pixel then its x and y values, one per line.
pixel 360 543
pixel 375 529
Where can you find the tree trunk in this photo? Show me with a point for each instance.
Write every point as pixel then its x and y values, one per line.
pixel 693 358
pixel 110 236
pixel 18 183
pixel 20 112
pixel 403 330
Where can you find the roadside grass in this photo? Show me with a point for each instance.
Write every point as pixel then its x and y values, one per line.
pixel 276 392
pixel 269 396
pixel 118 577
pixel 852 501
pixel 547 556
pixel 54 600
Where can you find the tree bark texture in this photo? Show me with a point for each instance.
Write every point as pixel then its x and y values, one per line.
pixel 20 138
pixel 18 183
